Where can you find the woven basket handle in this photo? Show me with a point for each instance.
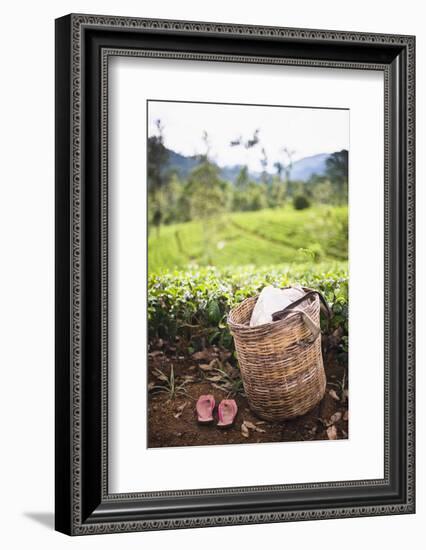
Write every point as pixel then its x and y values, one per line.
pixel 310 324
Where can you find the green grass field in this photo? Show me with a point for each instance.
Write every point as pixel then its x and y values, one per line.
pixel 266 237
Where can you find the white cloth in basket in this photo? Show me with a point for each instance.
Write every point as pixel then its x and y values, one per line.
pixel 270 301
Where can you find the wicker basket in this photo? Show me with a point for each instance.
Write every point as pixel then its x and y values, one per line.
pixel 281 362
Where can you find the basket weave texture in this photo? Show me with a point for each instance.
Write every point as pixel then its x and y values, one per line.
pixel 283 375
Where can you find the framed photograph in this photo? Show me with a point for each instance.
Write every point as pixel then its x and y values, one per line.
pixel 234 274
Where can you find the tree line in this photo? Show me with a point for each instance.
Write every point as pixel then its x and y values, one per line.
pixel 205 195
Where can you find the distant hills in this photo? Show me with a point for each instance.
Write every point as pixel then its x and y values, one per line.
pixel 302 169
pixel 183 165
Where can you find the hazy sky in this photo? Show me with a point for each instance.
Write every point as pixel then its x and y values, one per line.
pixel 307 131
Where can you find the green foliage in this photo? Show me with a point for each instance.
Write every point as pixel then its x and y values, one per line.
pixel 313 252
pixel 156 158
pixel 205 191
pixel 194 304
pixel 276 192
pixel 242 179
pixel 300 202
pixel 321 192
pixel 208 199
pixel 169 385
pixel 253 197
pixel 337 172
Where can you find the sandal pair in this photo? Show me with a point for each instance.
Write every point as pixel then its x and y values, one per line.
pixel 226 411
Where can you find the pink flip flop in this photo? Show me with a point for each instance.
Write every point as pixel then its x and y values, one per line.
pixel 205 406
pixel 227 411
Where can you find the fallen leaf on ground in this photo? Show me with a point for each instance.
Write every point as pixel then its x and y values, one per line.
pixel 332 432
pixel 334 395
pixel 151 386
pixel 228 368
pixel 215 364
pixel 160 375
pixel 155 353
pixel 200 355
pixel 244 430
pixel 205 367
pixel 249 424
pixel 215 378
pixel 334 339
pixel 335 417
pixel 346 416
pixel 180 410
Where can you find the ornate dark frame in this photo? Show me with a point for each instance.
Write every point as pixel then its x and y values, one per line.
pixel 83 46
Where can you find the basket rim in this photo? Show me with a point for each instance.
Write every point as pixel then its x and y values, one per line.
pixel 275 324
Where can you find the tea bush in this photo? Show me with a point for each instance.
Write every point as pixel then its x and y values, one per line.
pixel 194 304
pixel 300 202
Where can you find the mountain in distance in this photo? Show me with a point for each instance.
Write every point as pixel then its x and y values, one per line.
pixel 180 163
pixel 302 169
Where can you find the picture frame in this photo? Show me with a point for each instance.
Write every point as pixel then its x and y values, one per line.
pixel 83 503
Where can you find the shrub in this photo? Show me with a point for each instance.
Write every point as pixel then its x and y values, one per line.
pixel 194 304
pixel 300 202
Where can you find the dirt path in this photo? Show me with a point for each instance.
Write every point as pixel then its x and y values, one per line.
pixel 172 396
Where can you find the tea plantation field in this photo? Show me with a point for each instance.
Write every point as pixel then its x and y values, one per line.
pixel 267 237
